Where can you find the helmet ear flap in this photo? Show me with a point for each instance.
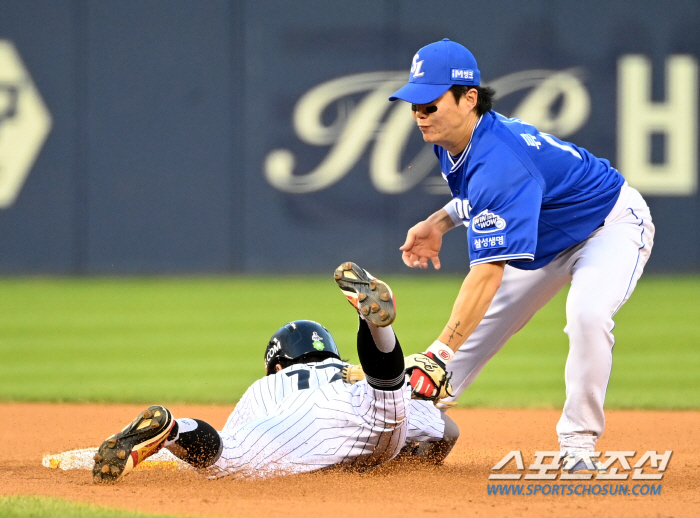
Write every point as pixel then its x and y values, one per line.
pixel 272 353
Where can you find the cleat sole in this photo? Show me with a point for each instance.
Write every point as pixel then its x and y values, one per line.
pixel 121 453
pixel 371 297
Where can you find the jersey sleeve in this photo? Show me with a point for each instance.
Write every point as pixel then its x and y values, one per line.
pixel 505 201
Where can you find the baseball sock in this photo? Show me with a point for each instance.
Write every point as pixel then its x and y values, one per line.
pixel 383 370
pixel 384 337
pixel 195 442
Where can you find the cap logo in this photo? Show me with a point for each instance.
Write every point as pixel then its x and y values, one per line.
pixel 416 66
pixel 460 73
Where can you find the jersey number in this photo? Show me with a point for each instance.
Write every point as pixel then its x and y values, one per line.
pixel 304 375
pixel 302 378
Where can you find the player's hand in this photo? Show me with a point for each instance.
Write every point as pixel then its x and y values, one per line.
pixel 423 242
pixel 429 379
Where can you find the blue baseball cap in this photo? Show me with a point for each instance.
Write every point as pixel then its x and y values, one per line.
pixel 435 68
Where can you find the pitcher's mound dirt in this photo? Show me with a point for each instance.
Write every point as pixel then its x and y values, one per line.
pixel 458 488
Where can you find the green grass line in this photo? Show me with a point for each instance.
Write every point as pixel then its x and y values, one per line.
pixel 45 507
pixel 201 340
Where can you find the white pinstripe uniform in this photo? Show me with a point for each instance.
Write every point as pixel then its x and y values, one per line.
pixel 305 418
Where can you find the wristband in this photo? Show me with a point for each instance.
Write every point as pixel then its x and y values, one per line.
pixel 441 351
pixel 451 209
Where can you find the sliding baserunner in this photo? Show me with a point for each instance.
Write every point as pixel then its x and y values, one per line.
pixel 309 412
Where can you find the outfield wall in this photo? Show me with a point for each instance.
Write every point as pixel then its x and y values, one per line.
pixel 223 136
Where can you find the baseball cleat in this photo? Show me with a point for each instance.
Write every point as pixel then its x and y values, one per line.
pixel 371 297
pixel 122 452
pixel 581 463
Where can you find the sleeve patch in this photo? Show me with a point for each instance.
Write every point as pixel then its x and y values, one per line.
pixel 486 222
pixel 488 242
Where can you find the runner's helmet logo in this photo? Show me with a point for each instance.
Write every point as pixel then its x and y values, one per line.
pixel 317 339
pixel 277 347
pixel 486 221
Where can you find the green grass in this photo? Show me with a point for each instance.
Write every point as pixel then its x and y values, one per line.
pixel 44 507
pixel 201 340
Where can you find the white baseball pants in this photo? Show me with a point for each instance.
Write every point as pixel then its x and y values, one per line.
pixel 603 271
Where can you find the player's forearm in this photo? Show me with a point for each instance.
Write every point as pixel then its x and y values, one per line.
pixel 443 219
pixel 475 296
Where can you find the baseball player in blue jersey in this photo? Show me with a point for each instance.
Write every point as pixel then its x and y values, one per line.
pixel 312 410
pixel 540 213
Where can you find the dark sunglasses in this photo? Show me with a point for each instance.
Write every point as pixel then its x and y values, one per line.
pixel 429 109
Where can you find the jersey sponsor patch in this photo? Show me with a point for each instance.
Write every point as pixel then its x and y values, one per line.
pixel 487 242
pixel 486 222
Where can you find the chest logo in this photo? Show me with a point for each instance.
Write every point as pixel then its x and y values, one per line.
pixel 486 222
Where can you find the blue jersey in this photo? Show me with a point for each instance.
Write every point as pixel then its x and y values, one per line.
pixel 526 196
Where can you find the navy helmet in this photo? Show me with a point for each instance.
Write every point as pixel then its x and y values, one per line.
pixel 298 339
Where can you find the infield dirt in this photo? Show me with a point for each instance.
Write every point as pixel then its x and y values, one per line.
pixel 407 489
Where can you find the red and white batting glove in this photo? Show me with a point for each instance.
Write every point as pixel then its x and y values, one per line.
pixel 421 383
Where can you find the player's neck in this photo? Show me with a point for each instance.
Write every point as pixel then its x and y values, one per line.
pixel 464 135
